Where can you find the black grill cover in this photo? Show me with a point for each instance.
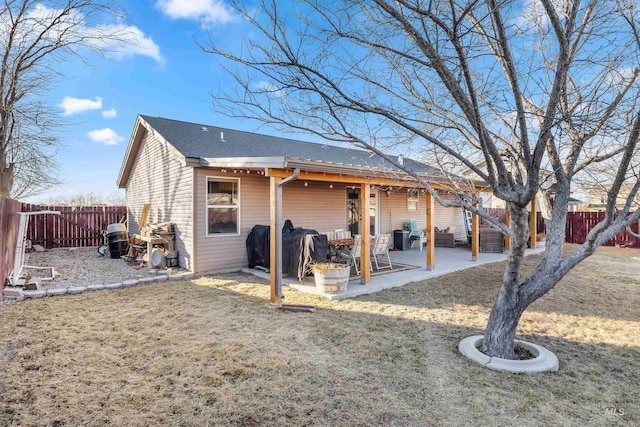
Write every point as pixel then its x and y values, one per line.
pixel 300 246
pixel 258 246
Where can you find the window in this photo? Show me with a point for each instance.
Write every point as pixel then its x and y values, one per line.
pixel 413 200
pixel 223 205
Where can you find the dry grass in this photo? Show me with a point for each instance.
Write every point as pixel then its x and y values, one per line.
pixel 212 351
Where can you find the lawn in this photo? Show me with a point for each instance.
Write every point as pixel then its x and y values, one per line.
pixel 213 351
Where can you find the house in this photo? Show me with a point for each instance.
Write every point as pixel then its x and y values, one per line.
pixel 598 198
pixel 215 184
pixel 490 201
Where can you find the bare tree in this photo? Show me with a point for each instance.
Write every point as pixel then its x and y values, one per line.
pixel 522 87
pixel 35 36
pixel 87 199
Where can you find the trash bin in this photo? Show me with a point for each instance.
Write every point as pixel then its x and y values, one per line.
pixel 401 240
pixel 118 244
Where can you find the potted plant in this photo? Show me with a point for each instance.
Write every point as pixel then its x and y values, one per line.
pixel 330 277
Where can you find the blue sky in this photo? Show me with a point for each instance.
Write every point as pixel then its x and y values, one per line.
pixel 166 75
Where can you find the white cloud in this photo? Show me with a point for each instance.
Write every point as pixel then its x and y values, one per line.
pixel 106 136
pixel 269 87
pixel 116 40
pixel 207 11
pixel 533 13
pixel 109 114
pixel 132 42
pixel 72 105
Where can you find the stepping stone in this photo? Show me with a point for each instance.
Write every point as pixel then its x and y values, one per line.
pixel 129 283
pixel 56 291
pixel 76 289
pixel 113 286
pixel 95 287
pixel 34 294
pixel 11 291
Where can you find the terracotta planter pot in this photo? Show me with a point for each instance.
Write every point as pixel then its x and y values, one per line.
pixel 331 278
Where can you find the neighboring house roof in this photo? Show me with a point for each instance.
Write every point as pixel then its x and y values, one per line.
pixel 206 145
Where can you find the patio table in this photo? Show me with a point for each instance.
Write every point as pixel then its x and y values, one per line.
pixel 336 245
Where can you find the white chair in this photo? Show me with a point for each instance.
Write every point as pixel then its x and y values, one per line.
pixel 423 239
pixel 354 254
pixel 381 247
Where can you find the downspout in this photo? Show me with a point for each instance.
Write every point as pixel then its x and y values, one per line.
pixel 278 266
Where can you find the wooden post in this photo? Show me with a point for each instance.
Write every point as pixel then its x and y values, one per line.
pixel 365 233
pixel 430 249
pixel 507 220
pixel 475 236
pixel 533 223
pixel 274 235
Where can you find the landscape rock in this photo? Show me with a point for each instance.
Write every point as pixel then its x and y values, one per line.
pixel 56 291
pixel 12 291
pixel 129 283
pixel 34 294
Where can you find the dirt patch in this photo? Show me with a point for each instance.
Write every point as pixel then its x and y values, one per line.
pixel 83 266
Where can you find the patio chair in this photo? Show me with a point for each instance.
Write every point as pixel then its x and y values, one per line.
pixel 415 234
pixel 381 247
pixel 354 254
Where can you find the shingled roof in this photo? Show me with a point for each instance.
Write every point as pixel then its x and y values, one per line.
pixel 203 144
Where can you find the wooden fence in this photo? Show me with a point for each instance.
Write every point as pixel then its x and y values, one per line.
pixel 9 221
pixel 76 226
pixel 579 224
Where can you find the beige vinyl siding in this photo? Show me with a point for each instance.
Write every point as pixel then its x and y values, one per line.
pixel 227 251
pixel 451 217
pixel 394 214
pixel 315 207
pixel 159 178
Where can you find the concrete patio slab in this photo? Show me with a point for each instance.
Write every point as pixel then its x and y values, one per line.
pixel 447 260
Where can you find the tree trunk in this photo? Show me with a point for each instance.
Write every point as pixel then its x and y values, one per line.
pixel 6 179
pixel 501 328
pixel 506 312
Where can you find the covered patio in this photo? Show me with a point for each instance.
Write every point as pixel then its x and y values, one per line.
pixel 447 259
pixel 412 269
